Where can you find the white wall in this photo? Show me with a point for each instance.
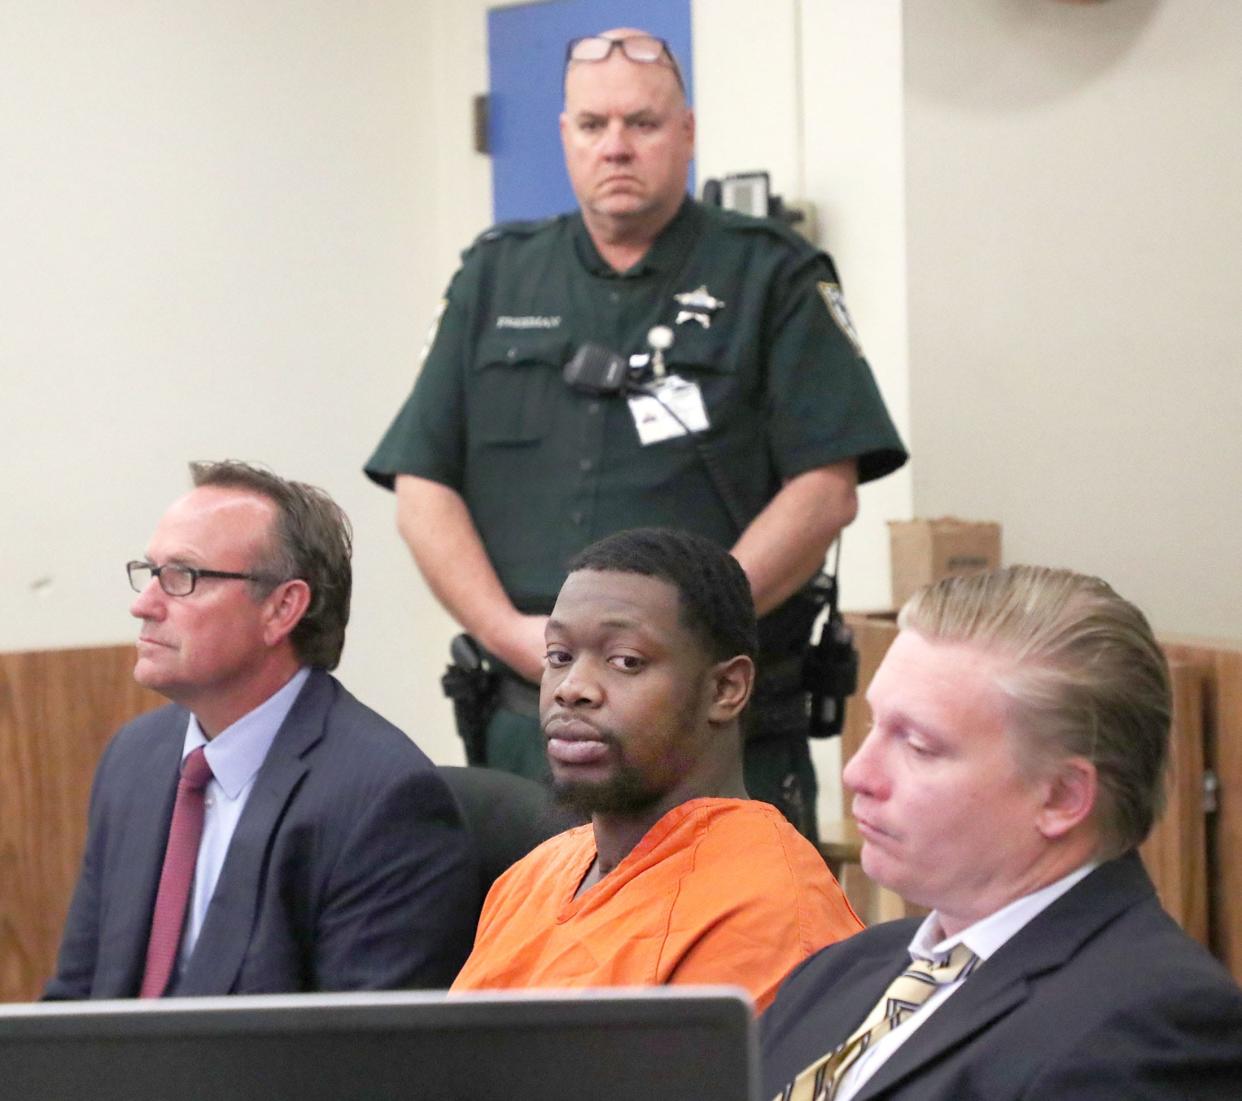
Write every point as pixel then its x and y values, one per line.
pixel 215 243
pixel 1075 223
pixel 225 227
pixel 853 113
pixel 811 91
pixel 854 163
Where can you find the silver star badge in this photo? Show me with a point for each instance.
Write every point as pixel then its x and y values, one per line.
pixel 700 299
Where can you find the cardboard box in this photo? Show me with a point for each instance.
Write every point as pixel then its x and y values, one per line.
pixel 924 551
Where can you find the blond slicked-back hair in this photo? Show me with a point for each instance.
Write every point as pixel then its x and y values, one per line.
pixel 1087 680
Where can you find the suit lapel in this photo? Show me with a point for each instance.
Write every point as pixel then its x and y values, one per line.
pixel 969 1011
pixel 857 989
pixel 1048 942
pixel 227 929
pixel 129 892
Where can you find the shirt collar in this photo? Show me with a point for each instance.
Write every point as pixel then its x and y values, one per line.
pixel 986 936
pixel 239 750
pixel 667 251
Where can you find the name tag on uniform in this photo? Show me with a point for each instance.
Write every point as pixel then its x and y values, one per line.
pixel 671 407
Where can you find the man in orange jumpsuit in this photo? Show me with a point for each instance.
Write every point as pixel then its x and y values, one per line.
pixel 679 877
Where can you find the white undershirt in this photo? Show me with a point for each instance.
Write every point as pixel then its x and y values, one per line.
pixel 984 938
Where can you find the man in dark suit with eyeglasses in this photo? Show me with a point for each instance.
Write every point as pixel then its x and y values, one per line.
pixel 266 832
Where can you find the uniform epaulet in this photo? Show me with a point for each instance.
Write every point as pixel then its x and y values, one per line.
pixel 517 229
pixel 746 223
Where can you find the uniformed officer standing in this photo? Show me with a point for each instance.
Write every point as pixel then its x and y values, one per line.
pixel 503 472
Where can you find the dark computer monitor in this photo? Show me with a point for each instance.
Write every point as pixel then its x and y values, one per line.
pixel 657 1044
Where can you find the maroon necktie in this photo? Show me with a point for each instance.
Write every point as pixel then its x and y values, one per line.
pixel 179 860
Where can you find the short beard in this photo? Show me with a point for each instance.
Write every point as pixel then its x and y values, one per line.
pixel 626 792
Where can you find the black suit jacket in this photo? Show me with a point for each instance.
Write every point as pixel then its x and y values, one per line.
pixel 349 868
pixel 1101 996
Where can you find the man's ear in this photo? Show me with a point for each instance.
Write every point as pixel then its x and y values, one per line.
pixel 732 682
pixel 284 608
pixel 1071 791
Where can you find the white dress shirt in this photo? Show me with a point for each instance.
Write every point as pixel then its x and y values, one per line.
pixel 235 754
pixel 984 938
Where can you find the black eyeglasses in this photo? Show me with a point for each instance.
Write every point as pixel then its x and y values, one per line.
pixel 643 48
pixel 178 580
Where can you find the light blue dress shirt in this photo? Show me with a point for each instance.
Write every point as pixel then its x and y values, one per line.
pixel 235 754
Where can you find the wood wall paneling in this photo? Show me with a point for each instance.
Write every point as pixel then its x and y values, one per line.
pixel 873 634
pixel 1222 722
pixel 57 710
pixel 1176 850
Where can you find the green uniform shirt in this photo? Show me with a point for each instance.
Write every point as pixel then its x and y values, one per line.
pixel 545 471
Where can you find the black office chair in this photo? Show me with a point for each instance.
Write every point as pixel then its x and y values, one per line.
pixel 505 815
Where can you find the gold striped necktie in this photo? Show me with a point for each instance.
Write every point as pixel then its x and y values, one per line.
pixel 905 994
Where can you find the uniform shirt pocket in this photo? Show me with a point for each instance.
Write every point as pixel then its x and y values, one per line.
pixel 727 374
pixel 514 390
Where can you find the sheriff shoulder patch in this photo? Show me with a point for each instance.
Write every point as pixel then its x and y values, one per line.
pixel 433 331
pixel 835 301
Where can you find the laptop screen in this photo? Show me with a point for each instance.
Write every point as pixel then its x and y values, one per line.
pixel 654 1044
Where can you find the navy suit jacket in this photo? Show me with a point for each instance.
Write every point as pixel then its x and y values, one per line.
pixel 1101 996
pixel 349 868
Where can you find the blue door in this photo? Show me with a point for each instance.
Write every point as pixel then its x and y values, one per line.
pixel 526 55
